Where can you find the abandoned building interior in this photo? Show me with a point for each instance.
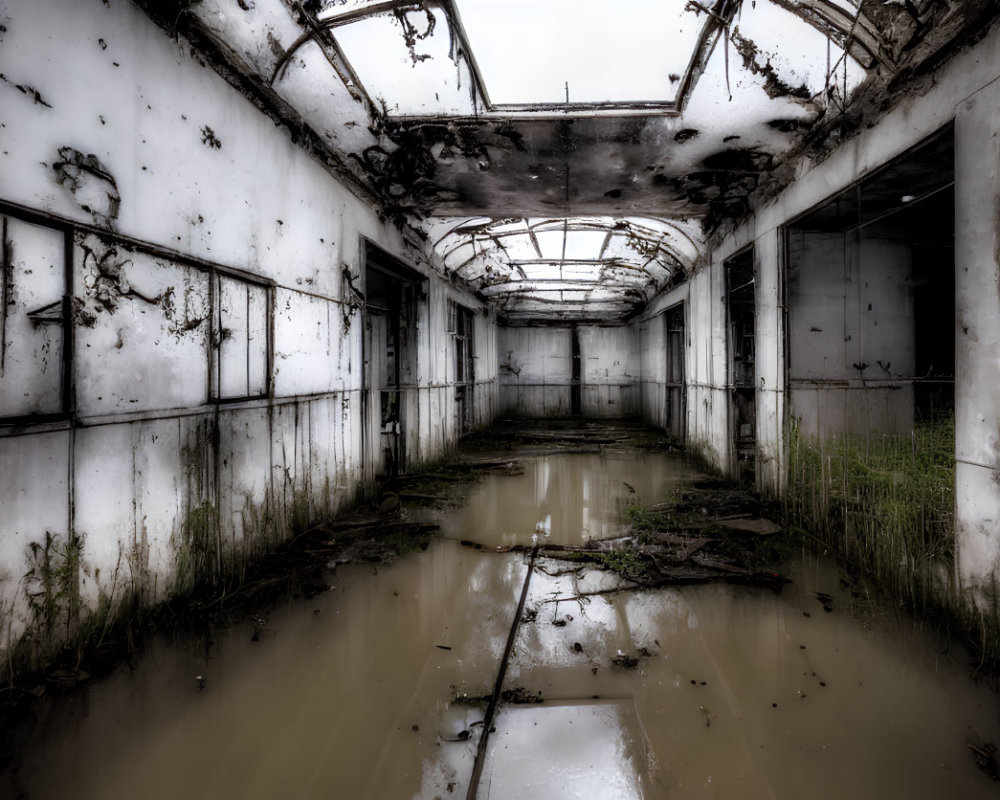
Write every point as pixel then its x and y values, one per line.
pixel 260 255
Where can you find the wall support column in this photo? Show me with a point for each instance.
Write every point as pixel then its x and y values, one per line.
pixel 977 354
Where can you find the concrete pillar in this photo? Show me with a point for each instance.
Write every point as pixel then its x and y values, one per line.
pixel 977 349
pixel 770 363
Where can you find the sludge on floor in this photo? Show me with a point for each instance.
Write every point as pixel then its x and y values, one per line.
pixel 377 688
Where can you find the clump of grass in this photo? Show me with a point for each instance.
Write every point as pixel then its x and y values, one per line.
pixel 885 504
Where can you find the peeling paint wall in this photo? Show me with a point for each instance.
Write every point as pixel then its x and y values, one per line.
pixel 181 379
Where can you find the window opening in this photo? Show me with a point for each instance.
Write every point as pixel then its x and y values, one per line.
pixel 390 375
pixel 676 387
pixel 741 309
pixel 241 340
pixel 33 320
pixel 463 322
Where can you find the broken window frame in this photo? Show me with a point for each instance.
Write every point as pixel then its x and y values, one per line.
pixel 462 326
pixel 218 335
pixel 63 319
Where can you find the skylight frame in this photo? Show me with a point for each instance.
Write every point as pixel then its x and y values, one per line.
pixel 853 33
pixel 481 102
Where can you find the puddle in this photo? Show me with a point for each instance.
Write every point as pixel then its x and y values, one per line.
pixel 566 498
pixel 375 689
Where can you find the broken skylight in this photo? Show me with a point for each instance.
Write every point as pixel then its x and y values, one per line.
pixel 472 57
pixel 409 62
pixel 537 52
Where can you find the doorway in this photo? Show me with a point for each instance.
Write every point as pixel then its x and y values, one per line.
pixel 391 292
pixel 741 345
pixel 676 389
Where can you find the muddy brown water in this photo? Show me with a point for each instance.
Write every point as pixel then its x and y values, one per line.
pixel 369 690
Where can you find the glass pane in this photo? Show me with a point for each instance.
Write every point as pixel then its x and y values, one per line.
pixel 584 244
pixel 550 243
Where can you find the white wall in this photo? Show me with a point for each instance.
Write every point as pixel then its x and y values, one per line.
pixel 536 371
pixel 212 395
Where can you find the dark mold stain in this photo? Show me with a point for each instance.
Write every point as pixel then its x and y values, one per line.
pixel 773 84
pixel 24 89
pixel 91 184
pixel 629 131
pixel 686 134
pixel 788 125
pixel 209 139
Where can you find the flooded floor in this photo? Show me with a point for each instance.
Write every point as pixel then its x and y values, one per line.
pixel 378 688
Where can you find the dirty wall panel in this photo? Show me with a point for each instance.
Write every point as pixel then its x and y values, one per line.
pixel 257 340
pixel 104 497
pixel 244 481
pixel 232 333
pixel 32 287
pixel 141 330
pixel 284 473
pixel 130 501
pixel 160 481
pixel 851 332
pixel 34 473
pixel 321 456
pixel 306 359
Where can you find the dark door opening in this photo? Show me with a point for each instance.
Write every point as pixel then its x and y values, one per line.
pixel 465 373
pixel 870 278
pixel 676 388
pixel 742 332
pixel 391 291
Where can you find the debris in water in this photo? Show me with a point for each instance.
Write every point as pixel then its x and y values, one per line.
pixel 625 661
pixel 826 600
pixel 985 758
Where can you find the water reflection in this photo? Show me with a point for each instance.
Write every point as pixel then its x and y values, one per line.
pixel 566 499
pixel 369 690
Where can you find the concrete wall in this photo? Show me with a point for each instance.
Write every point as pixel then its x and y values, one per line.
pixel 536 371
pixel 850 333
pixel 977 335
pixel 965 90
pixel 181 378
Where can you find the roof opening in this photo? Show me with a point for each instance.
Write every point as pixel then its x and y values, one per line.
pixel 540 52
